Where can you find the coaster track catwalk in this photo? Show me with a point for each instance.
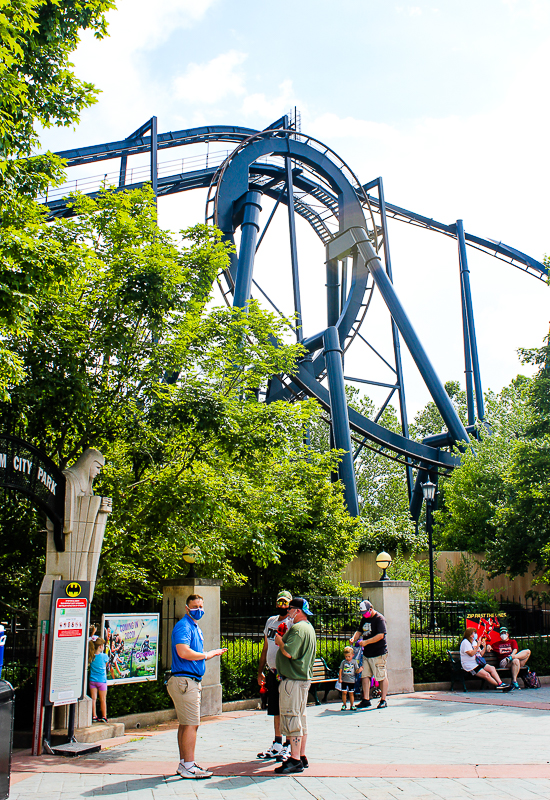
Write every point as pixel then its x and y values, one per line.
pixel 350 219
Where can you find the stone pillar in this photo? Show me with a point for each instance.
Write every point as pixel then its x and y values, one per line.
pixel 174 595
pixel 391 599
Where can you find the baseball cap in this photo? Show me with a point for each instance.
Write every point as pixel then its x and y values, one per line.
pixel 365 605
pixel 284 595
pixel 302 604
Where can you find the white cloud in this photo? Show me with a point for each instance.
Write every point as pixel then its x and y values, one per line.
pixel 213 81
pixel 263 108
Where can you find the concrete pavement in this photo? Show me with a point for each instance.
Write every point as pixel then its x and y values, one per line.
pixel 427 746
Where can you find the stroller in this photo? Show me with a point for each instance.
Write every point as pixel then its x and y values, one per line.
pixel 374 685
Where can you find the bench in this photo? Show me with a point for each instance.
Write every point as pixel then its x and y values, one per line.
pixel 323 679
pixel 458 674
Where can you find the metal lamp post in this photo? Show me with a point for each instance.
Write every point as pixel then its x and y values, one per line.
pixel 428 490
pixel 189 557
pixel 383 560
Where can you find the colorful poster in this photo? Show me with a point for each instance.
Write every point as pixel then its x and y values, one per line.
pixel 487 627
pixel 131 642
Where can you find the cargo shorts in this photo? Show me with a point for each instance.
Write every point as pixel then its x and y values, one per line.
pixel 292 706
pixel 375 667
pixel 186 696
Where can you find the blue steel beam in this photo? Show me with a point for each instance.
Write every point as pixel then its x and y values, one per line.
pixel 142 144
pixel 420 357
pixel 250 227
pixel 450 230
pixel 333 285
pixel 465 276
pixel 339 417
pixel 395 334
pixel 293 248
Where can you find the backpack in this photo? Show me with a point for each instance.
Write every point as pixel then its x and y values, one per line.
pixel 531 680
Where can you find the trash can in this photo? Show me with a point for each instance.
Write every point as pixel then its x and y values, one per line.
pixel 6 736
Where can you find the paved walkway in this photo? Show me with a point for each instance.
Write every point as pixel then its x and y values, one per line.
pixel 427 746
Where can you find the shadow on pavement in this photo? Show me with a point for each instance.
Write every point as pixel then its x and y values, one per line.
pixel 123 787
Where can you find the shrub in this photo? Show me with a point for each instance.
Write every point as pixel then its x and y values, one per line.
pixel 430 661
pixel 134 698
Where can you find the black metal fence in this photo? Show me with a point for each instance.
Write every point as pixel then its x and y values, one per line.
pixel 242 632
pixel 439 626
pixel 19 651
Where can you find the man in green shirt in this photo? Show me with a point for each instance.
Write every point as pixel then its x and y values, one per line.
pixel 294 662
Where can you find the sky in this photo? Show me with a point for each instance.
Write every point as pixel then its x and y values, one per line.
pixel 446 101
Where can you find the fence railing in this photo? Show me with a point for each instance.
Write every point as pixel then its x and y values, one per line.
pixel 435 628
pixel 439 626
pixel 242 631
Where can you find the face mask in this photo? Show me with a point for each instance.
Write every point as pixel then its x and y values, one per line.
pixel 366 614
pixel 196 613
pixel 475 637
pixel 504 636
pixel 281 611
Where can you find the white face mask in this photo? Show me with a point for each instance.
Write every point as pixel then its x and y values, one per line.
pixel 504 636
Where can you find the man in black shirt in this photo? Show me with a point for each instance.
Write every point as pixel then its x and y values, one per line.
pixel 372 638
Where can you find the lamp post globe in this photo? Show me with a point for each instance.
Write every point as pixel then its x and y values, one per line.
pixel 383 561
pixel 428 490
pixel 189 557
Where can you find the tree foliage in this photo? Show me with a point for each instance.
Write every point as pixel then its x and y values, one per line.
pixel 37 89
pixel 124 355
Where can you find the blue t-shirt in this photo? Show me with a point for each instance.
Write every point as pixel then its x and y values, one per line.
pixel 186 631
pixel 98 668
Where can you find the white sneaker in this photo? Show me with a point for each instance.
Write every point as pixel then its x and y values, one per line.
pixel 195 772
pixel 284 755
pixel 273 751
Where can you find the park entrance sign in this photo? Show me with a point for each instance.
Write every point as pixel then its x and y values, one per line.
pixel 24 468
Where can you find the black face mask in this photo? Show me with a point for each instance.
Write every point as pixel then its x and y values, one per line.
pixel 282 612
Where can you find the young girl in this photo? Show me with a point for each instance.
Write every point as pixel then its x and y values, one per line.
pixel 97 673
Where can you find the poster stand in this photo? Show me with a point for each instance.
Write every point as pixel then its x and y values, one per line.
pixel 65 671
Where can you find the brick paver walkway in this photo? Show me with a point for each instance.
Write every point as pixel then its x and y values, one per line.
pixel 426 746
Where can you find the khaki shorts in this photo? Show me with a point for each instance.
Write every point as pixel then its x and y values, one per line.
pixel 375 667
pixel 186 696
pixel 292 706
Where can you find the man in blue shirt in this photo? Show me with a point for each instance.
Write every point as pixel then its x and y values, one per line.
pixel 184 687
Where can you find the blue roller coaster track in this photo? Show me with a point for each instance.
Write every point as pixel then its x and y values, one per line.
pixel 350 219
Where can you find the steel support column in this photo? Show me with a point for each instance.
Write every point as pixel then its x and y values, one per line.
pixel 420 357
pixel 467 356
pixel 465 276
pixel 154 155
pixel 293 249
pixel 122 175
pixel 250 227
pixel 395 335
pixel 333 308
pixel 339 416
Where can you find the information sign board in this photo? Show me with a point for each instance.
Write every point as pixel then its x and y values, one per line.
pixel 131 642
pixel 68 642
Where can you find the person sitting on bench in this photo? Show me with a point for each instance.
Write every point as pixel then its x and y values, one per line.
pixel 506 650
pixel 469 649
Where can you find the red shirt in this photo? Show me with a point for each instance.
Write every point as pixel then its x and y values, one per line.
pixel 504 649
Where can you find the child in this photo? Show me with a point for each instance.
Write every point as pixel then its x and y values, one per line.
pixel 97 668
pixel 346 675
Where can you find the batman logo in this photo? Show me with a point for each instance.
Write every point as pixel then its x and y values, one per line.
pixel 73 589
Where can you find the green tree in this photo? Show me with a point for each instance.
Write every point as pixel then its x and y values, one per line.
pixel 473 493
pixel 124 356
pixel 37 89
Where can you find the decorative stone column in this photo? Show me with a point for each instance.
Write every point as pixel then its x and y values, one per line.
pixel 391 599
pixel 174 595
pixel 86 516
